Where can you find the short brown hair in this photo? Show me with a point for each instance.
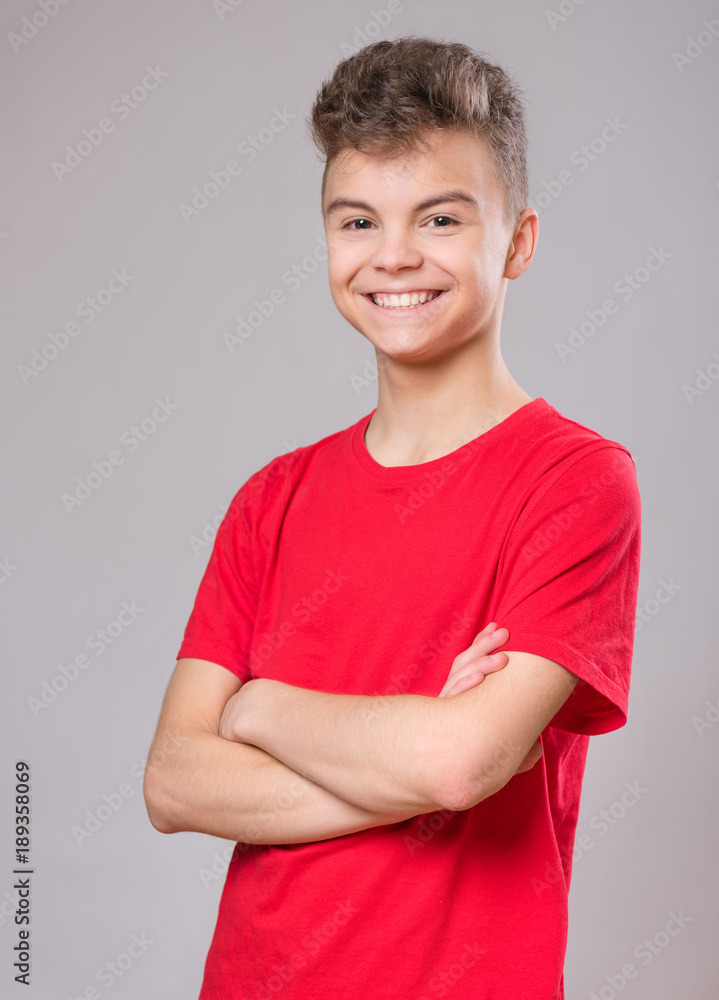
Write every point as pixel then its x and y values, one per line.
pixel 391 95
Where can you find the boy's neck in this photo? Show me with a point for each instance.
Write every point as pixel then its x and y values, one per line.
pixel 409 429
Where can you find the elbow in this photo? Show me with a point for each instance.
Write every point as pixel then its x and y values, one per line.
pixel 457 787
pixel 472 772
pixel 460 771
pixel 160 822
pixel 458 795
pixel 475 780
pixel 157 804
pixel 465 779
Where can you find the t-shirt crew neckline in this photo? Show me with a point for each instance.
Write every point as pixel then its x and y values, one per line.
pixel 405 473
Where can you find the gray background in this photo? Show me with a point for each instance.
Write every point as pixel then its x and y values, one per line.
pixel 67 574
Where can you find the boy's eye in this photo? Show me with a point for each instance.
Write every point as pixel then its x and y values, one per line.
pixel 349 224
pixel 445 218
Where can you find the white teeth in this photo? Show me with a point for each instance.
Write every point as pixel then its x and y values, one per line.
pixel 404 301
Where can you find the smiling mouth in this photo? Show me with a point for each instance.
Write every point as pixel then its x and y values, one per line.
pixel 404 302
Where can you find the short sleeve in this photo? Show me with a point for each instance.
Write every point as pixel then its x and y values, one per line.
pixel 568 582
pixel 222 620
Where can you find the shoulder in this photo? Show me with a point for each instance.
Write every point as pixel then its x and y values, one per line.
pixel 571 457
pixel 273 483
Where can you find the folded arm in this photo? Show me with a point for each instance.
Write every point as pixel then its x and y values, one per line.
pixel 406 752
pixel 197 781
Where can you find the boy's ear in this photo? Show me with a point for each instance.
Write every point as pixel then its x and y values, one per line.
pixel 523 244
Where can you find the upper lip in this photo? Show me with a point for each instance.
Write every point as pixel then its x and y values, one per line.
pixel 403 291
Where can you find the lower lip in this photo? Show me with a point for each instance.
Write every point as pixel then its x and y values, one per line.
pixel 403 310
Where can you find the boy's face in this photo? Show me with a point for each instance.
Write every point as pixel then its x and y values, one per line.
pixel 383 238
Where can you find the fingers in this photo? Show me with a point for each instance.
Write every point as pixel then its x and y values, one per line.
pixel 488 640
pixel 483 645
pixel 494 661
pixel 460 684
pixel 471 666
pixel 473 673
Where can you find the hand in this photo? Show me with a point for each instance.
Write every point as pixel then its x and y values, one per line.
pixel 237 712
pixel 470 667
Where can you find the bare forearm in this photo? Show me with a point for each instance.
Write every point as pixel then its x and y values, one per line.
pixel 379 752
pixel 240 792
pixel 391 753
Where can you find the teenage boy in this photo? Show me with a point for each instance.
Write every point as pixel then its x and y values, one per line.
pixel 404 794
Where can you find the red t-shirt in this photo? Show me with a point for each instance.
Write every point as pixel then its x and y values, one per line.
pixel 332 572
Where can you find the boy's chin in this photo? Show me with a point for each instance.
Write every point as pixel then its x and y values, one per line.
pixel 410 348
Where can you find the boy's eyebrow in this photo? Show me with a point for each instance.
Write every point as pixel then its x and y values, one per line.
pixel 438 199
